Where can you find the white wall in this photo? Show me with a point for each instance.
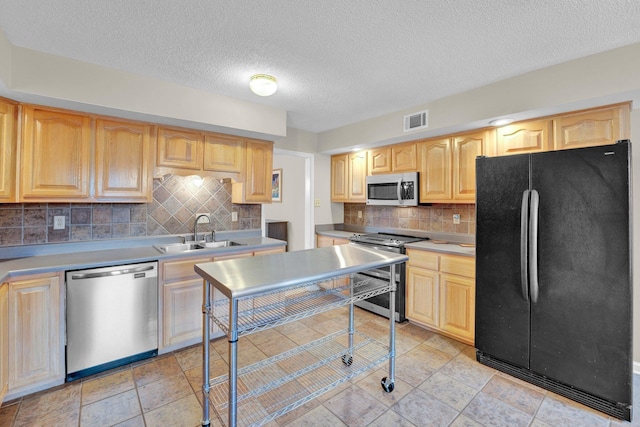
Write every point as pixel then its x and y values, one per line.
pixel 327 212
pixel 31 76
pixel 605 78
pixel 292 207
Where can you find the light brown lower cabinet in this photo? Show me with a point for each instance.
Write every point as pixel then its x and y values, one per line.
pixel 4 340
pixel 181 304
pixel 36 333
pixel 441 293
pixel 181 300
pixel 323 242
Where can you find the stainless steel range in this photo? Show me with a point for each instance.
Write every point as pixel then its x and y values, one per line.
pixel 391 243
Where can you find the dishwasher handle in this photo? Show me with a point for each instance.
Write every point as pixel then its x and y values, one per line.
pixel 120 272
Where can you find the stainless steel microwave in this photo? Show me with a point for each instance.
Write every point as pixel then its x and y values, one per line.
pixel 394 189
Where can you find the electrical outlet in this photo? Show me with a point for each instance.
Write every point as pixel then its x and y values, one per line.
pixel 359 214
pixel 316 203
pixel 234 216
pixel 456 218
pixel 204 219
pixel 58 222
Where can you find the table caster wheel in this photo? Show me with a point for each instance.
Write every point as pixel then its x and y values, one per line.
pixel 387 385
pixel 347 360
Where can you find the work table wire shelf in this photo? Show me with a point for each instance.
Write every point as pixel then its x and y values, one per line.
pixel 276 308
pixel 275 386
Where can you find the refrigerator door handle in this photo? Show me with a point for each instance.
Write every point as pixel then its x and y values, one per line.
pixel 533 246
pixel 524 244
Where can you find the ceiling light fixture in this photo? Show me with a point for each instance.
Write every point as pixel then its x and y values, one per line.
pixel 500 122
pixel 263 84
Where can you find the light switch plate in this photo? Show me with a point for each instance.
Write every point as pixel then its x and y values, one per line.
pixel 234 216
pixel 58 222
pixel 359 214
pixel 456 218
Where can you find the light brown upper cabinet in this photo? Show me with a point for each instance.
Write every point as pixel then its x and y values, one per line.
pixel 8 146
pixel 339 168
pixel 379 160
pixel 599 126
pixel 532 136
pixel 435 170
pixel 447 167
pixel 357 177
pixel 404 158
pixel 180 148
pixel 465 150
pixel 255 185
pixel 223 153
pixel 184 151
pixel 56 150
pixel 123 161
pixel 348 176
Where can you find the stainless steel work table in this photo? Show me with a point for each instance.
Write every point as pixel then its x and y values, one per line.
pixel 247 295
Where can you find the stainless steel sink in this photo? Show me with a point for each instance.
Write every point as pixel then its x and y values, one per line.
pixel 194 246
pixel 178 247
pixel 221 244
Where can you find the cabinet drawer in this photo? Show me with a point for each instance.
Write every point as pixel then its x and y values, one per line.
pixel 423 259
pixel 462 266
pixel 181 270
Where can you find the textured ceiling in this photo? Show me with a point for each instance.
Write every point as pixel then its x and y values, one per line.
pixel 337 61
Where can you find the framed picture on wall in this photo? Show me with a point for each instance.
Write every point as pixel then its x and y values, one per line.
pixel 276 185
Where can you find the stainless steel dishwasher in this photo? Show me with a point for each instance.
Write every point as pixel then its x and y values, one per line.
pixel 112 317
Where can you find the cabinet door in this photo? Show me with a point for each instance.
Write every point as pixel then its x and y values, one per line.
pixel 404 158
pixel 4 340
pixel 36 351
pixel 435 171
pixel 323 241
pixel 182 306
pixel 56 149
pixel 590 128
pixel 423 296
pixel 181 303
pixel 179 148
pixel 457 302
pixel 278 250
pixel 524 137
pixel 339 166
pixel 379 160
pixel 7 152
pixel 465 150
pixel 259 167
pixel 223 153
pixel 357 175
pixel 123 152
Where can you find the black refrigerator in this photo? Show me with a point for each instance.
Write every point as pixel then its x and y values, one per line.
pixel 553 272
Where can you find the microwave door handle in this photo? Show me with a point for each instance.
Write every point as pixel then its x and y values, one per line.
pixel 400 189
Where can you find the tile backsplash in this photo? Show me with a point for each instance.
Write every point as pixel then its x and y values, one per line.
pixel 437 218
pixel 176 201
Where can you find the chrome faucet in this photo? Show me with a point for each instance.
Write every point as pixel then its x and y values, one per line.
pixel 195 225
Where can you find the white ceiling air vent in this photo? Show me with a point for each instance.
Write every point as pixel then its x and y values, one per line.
pixel 419 120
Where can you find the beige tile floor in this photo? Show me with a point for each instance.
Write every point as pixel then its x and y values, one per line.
pixel 438 383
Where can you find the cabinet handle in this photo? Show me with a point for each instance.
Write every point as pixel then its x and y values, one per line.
pixel 524 244
pixel 533 246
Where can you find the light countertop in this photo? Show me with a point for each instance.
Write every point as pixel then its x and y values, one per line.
pixel 100 258
pixel 451 247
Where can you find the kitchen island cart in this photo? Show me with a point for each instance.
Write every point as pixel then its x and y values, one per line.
pixel 248 295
